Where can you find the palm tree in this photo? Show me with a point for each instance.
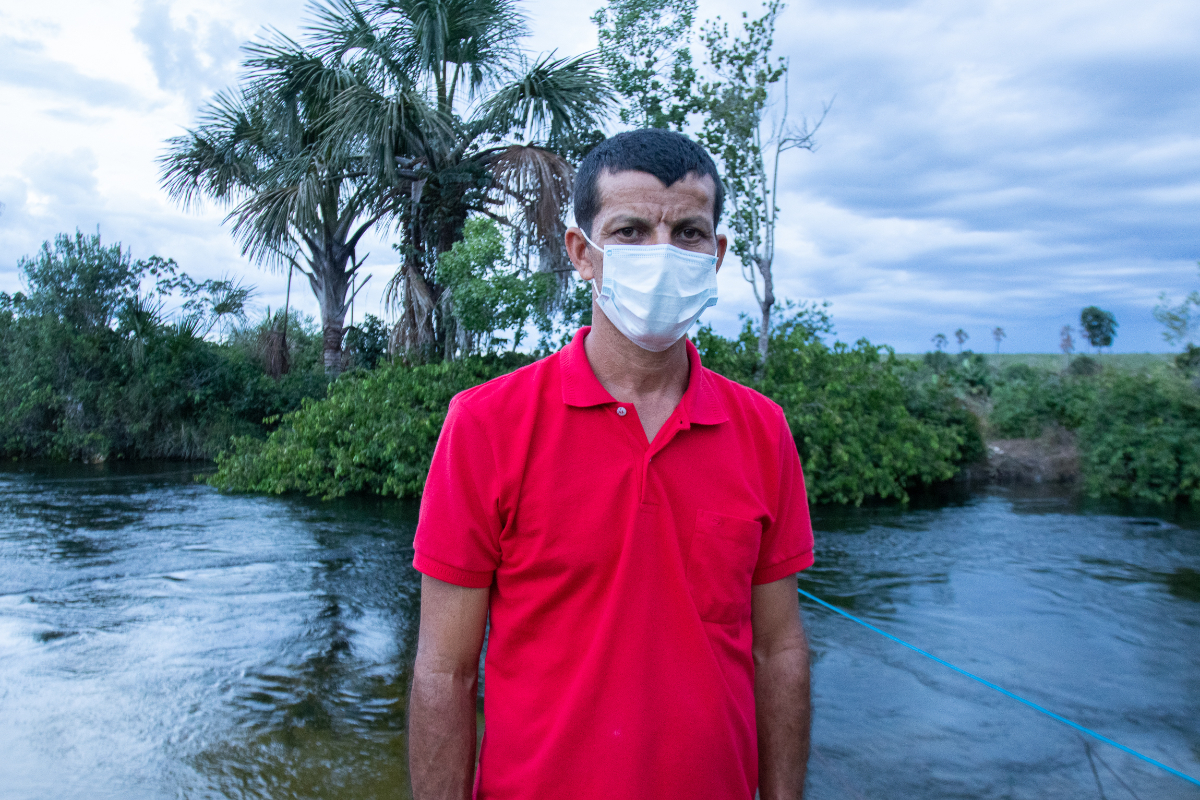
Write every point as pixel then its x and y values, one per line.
pixel 497 140
pixel 298 197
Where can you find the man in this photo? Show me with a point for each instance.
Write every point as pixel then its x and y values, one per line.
pixel 631 524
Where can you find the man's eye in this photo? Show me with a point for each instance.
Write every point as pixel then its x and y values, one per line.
pixel 627 232
pixel 691 233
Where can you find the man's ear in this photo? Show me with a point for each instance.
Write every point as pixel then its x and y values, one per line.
pixel 722 246
pixel 580 253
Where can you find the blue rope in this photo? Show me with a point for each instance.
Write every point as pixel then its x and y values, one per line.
pixel 1004 691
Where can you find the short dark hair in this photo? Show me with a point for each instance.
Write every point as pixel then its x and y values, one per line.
pixel 667 155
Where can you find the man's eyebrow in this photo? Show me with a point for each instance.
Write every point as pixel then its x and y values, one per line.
pixel 625 219
pixel 696 220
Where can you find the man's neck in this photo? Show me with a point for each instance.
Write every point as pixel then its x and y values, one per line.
pixel 628 372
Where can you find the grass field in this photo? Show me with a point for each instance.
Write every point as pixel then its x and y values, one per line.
pixel 1052 361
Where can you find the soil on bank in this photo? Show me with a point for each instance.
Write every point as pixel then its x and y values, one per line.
pixel 1053 457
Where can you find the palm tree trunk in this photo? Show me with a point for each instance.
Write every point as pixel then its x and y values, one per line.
pixel 285 363
pixel 330 282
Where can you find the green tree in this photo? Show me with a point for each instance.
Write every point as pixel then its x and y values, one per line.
pixel 488 295
pixel 940 341
pixel 366 343
pixel 298 196
pixel 79 280
pixel 961 337
pixel 737 129
pixel 1178 319
pixel 645 47
pixel 501 129
pixel 644 43
pixel 92 368
pixel 1099 326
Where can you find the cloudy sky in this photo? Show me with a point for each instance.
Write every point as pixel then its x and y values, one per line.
pixel 983 164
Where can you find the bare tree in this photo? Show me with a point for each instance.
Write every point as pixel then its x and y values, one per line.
pixel 1066 342
pixel 961 337
pixel 940 341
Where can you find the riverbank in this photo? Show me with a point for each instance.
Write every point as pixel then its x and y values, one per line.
pixel 1052 458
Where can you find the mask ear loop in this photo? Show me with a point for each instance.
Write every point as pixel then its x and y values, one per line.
pixel 586 238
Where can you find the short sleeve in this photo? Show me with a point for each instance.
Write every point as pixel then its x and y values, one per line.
pixel 787 543
pixel 458 531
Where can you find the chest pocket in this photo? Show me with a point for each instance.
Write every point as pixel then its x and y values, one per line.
pixel 721 564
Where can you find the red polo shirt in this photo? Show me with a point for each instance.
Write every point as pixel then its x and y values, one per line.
pixel 618 661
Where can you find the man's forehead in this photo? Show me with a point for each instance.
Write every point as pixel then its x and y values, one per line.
pixel 631 189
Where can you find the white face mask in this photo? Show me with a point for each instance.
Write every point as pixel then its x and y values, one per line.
pixel 653 293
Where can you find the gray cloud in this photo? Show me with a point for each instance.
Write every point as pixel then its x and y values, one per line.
pixel 193 59
pixel 986 163
pixel 69 179
pixel 993 164
pixel 25 64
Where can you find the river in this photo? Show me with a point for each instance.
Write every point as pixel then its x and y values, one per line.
pixel 158 639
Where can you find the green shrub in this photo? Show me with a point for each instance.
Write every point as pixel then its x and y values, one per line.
pixel 375 432
pixel 862 432
pixel 96 394
pixel 1141 438
pixel 864 427
pixel 1189 359
pixel 1025 400
pixel 1085 366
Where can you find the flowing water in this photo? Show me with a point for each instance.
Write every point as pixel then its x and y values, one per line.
pixel 158 640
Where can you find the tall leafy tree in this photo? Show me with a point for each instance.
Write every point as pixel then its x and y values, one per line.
pixel 645 47
pixel 499 142
pixel 79 280
pixel 738 102
pixel 1099 326
pixel 298 196
pixel 738 128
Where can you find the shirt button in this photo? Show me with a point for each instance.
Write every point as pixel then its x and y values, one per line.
pixel 620 411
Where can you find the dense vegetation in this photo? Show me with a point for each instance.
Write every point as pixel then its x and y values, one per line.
pixel 865 424
pixel 92 369
pixel 375 432
pixel 1138 431
pixel 865 428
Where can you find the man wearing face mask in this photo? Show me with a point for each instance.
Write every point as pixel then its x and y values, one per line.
pixel 629 523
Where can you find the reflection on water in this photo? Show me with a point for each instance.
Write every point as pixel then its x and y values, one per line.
pixel 160 640
pixel 1081 607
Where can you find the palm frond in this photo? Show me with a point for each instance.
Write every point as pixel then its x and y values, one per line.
pixel 358 37
pixel 219 157
pixel 539 183
pixel 548 100
pixel 387 133
pixel 483 34
pixel 539 180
